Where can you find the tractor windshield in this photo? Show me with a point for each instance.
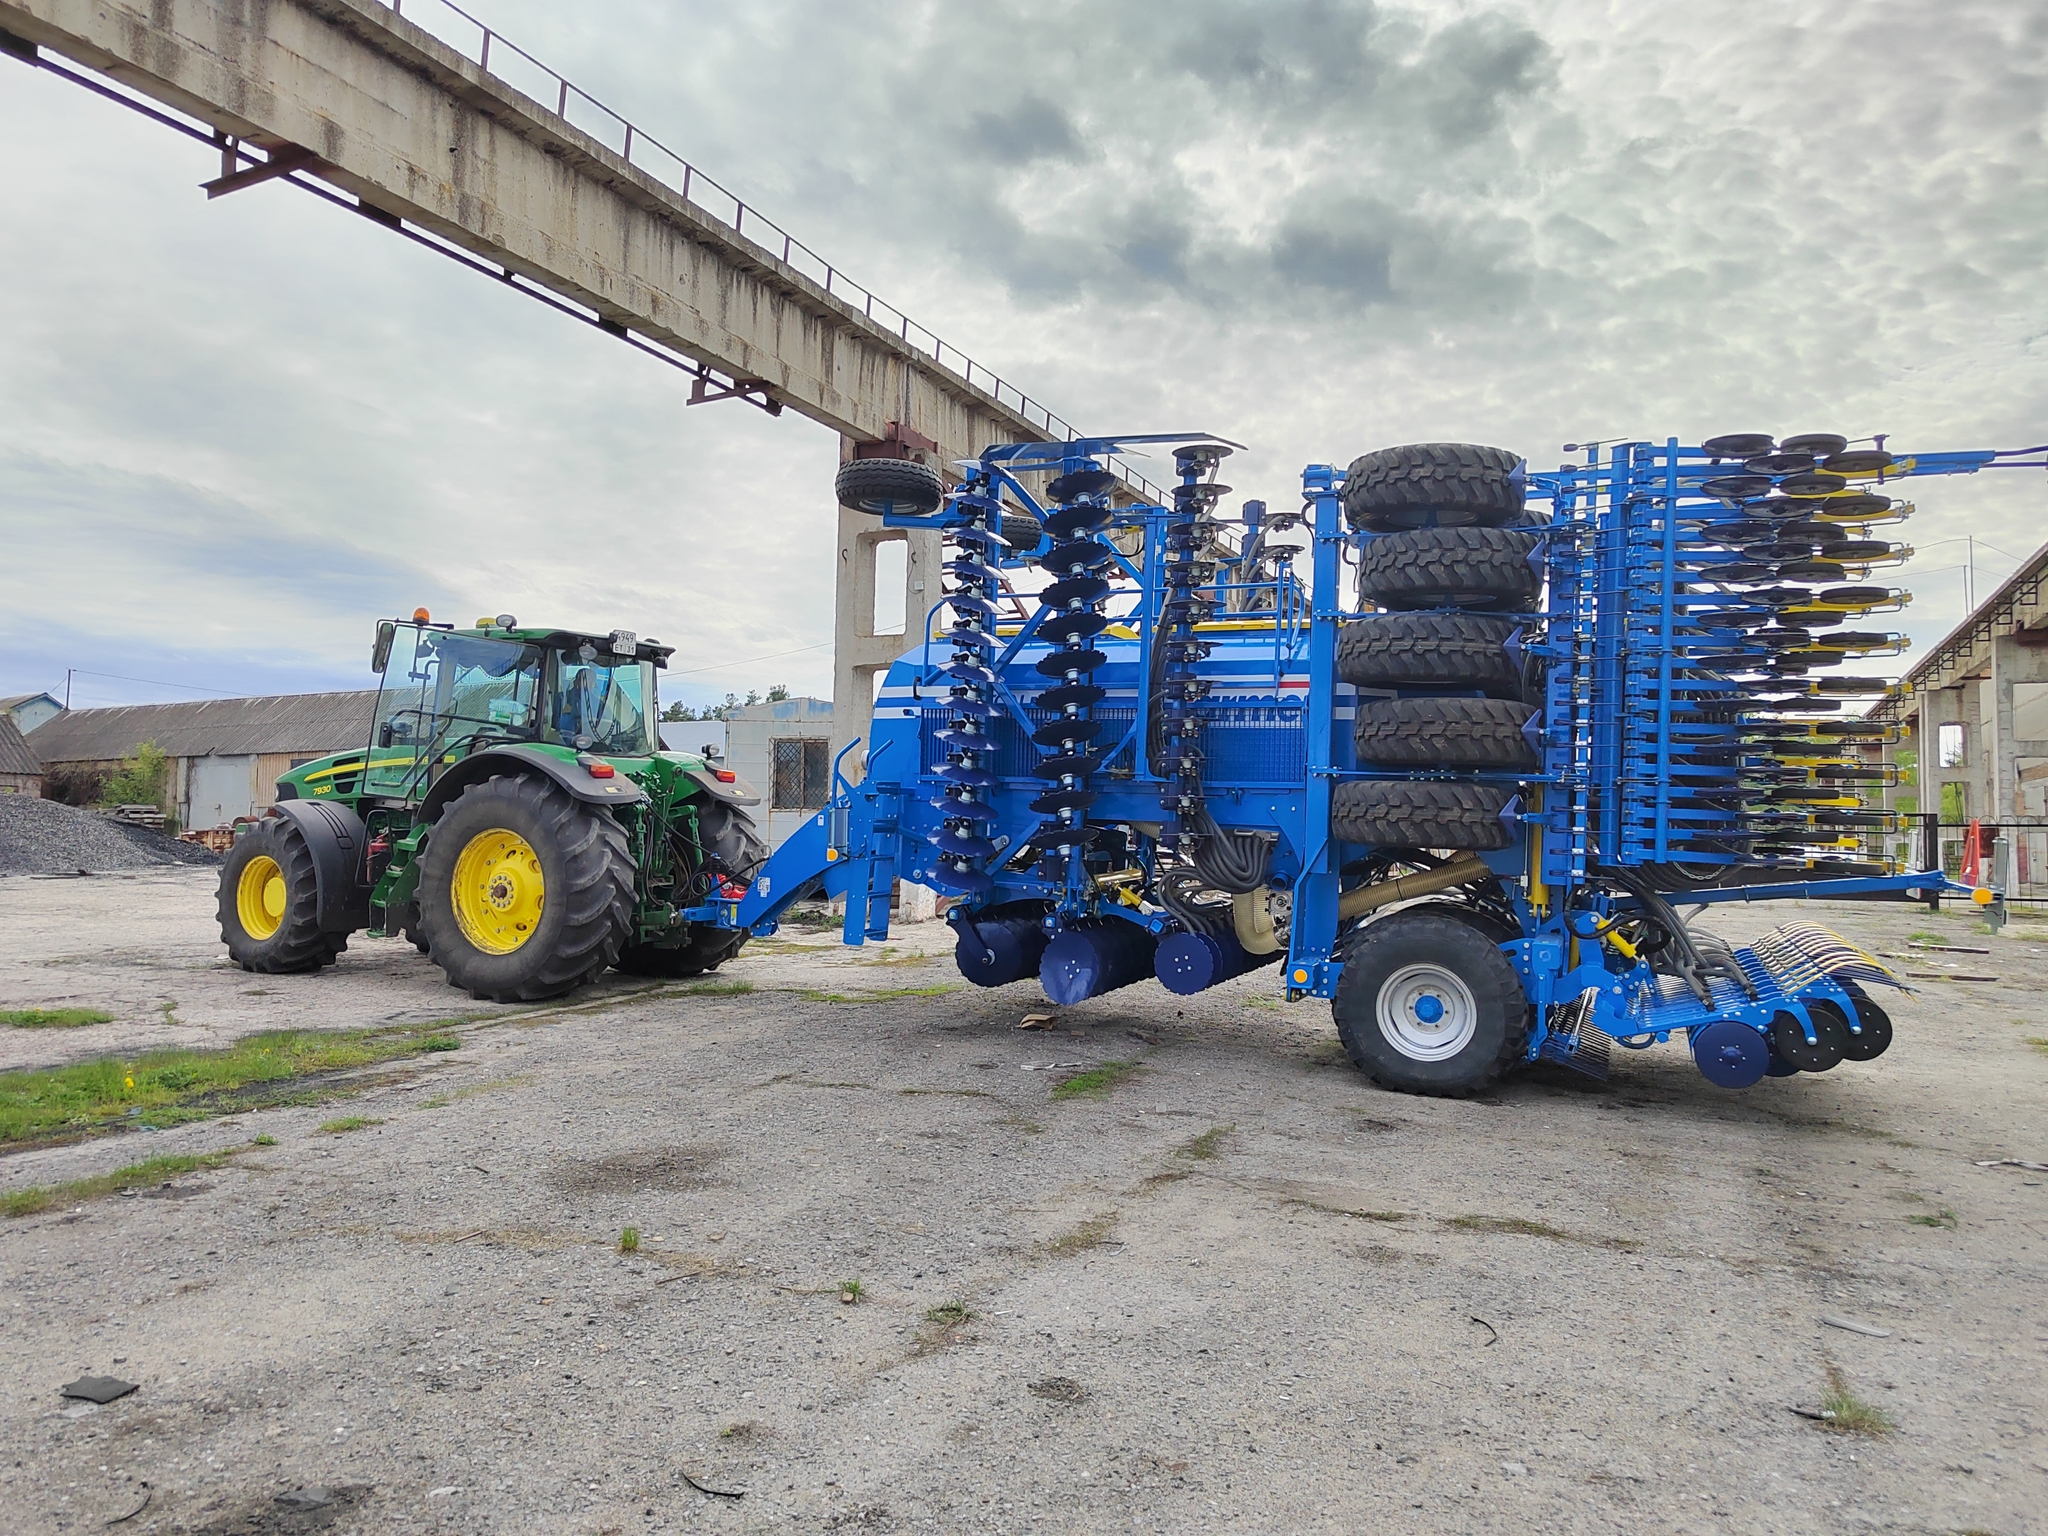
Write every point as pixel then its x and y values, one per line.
pixel 602 706
pixel 446 695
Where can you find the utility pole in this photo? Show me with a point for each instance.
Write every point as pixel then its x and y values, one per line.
pixel 67 688
pixel 1969 574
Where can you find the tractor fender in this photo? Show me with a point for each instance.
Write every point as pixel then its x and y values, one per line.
pixel 334 835
pixel 520 758
pixel 736 792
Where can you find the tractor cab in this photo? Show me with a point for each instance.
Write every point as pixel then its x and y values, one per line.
pixel 448 693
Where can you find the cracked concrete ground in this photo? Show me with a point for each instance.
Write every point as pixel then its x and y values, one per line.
pixel 1243 1291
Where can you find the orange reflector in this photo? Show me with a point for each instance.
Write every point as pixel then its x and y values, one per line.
pixel 725 776
pixel 1983 896
pixel 603 771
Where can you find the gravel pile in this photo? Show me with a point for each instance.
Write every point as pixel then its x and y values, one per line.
pixel 44 837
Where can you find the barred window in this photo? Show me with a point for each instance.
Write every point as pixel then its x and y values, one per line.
pixel 803 773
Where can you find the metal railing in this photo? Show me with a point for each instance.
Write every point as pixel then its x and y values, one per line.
pixel 617 132
pixel 1936 844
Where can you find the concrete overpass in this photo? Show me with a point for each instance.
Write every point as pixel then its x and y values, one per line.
pixel 409 130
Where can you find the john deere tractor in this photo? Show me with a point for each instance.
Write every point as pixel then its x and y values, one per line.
pixel 512 814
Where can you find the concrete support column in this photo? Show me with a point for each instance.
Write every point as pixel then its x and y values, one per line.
pixel 1939 707
pixel 2011 663
pixel 860 655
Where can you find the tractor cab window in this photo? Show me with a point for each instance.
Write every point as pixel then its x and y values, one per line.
pixel 447 695
pixel 604 707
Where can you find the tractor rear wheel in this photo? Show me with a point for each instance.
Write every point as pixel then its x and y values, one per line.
pixel 1428 1004
pixel 525 891
pixel 270 903
pixel 727 837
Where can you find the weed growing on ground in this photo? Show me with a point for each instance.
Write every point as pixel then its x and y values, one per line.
pixel 629 1240
pixel 2038 1042
pixel 264 1140
pixel 851 1291
pixel 349 1123
pixel 1207 1146
pixel 1922 936
pixel 52 1018
pixel 1520 1226
pixel 945 1093
pixel 949 1314
pixel 1096 1082
pixel 1846 1413
pixel 1092 1233
pixel 1345 1210
pixel 173 1087
pixel 746 1432
pixel 168 1010
pixel 1941 1218
pixel 152 1170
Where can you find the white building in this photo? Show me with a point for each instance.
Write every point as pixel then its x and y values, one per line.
pixel 784 750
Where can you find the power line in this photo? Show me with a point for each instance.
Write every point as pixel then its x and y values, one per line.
pixel 153 682
pixel 772 656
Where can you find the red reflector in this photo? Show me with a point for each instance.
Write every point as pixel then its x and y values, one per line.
pixel 603 771
pixel 725 776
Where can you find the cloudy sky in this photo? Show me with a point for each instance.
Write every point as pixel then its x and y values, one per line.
pixel 237 432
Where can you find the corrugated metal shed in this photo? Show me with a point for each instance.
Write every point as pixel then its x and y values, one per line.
pixel 16 756
pixel 312 723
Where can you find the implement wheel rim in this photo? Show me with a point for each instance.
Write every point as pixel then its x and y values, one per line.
pixel 1426 1012
pixel 261 897
pixel 498 891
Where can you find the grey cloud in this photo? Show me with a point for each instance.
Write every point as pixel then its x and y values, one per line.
pixel 1032 129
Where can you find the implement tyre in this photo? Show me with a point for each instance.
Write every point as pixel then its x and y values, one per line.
pixel 525 892
pixel 270 903
pixel 1429 650
pixel 730 840
pixel 1427 1003
pixel 1445 733
pixel 1482 570
pixel 888 485
pixel 1415 814
pixel 1433 485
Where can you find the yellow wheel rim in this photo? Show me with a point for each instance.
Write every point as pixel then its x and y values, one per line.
pixel 260 897
pixel 498 891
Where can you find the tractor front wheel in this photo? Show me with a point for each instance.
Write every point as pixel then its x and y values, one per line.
pixel 270 903
pixel 525 892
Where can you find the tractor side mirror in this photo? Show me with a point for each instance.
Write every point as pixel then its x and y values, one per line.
pixel 384 734
pixel 380 653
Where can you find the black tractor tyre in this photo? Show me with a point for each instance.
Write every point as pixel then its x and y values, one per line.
pixel 1428 1004
pixel 1022 532
pixel 1481 570
pixel 888 485
pixel 268 881
pixel 1433 485
pixel 1414 814
pixel 1445 733
pixel 585 867
pixel 411 929
pixel 728 835
pixel 1430 650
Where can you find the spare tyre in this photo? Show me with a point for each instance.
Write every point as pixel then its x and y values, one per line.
pixel 1430 650
pixel 1484 570
pixel 1388 813
pixel 888 485
pixel 1434 485
pixel 1446 733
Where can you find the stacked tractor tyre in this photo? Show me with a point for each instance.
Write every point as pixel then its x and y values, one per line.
pixel 1427 1002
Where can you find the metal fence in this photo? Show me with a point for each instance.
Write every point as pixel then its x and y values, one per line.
pixel 1932 843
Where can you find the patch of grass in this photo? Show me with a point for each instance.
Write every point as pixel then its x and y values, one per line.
pixel 949 1314
pixel 851 1291
pixel 1028 1127
pixel 1258 1001
pixel 440 1043
pixel 172 1087
pixel 945 1093
pixel 1354 1214
pixel 2039 1043
pixel 884 995
pixel 52 1018
pixel 349 1123
pixel 723 987
pixel 629 1240
pixel 168 1010
pixel 1096 1082
pixel 1923 936
pixel 1207 1147
pixel 1092 1233
pixel 151 1170
pixel 264 1140
pixel 1521 1226
pixel 1941 1218
pixel 1846 1413
pixel 746 1432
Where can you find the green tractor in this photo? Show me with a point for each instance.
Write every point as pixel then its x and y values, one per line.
pixel 513 815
